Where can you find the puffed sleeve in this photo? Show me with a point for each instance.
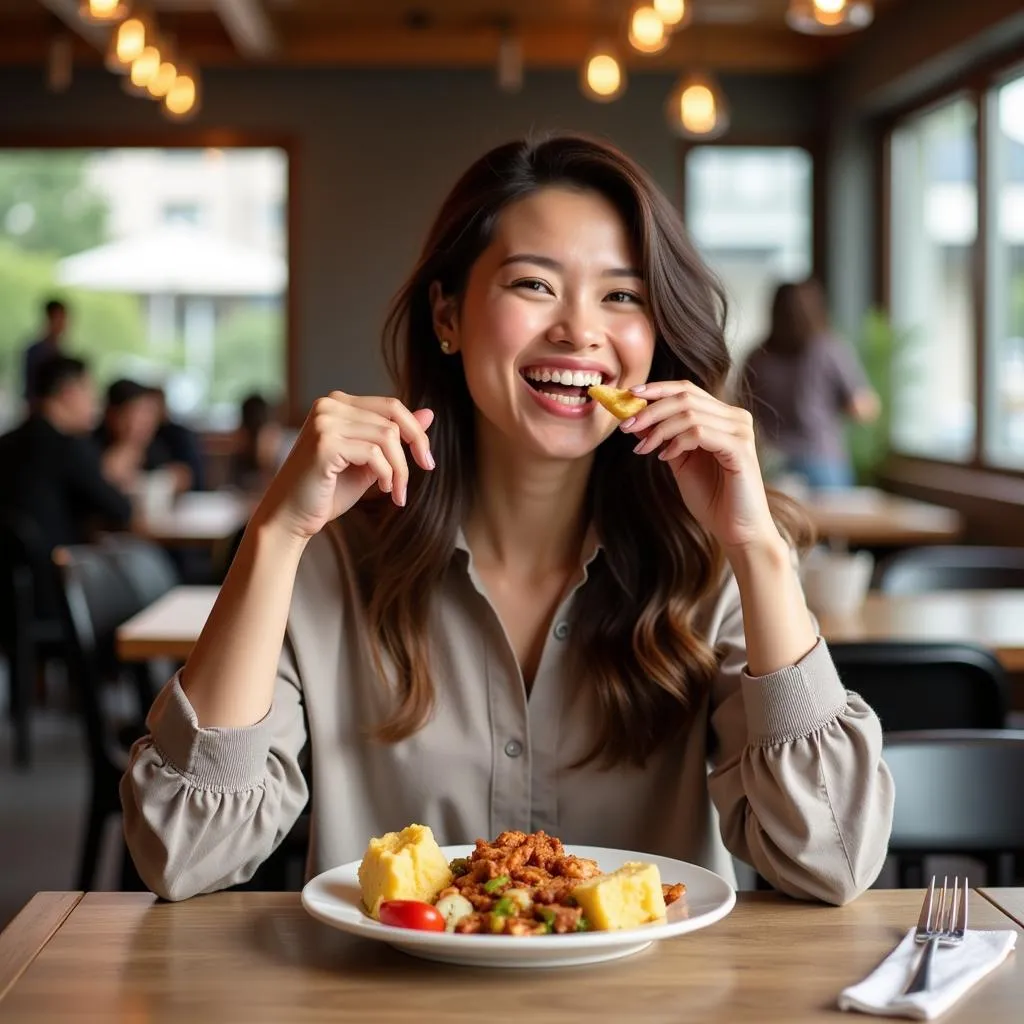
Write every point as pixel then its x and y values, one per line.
pixel 797 774
pixel 203 808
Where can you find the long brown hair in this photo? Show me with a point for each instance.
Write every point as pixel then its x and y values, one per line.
pixel 633 636
pixel 799 317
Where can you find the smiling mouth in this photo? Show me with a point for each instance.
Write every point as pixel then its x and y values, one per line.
pixel 567 387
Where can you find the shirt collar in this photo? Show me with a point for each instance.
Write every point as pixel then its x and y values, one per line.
pixel 589 550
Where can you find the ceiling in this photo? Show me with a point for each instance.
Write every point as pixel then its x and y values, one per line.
pixel 736 35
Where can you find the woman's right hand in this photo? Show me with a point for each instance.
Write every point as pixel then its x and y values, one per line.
pixel 346 444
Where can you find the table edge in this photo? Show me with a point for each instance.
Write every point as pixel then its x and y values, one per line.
pixel 38 921
pixel 991 895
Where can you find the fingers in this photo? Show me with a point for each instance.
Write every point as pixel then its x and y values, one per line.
pixel 678 398
pixel 371 456
pixel 410 426
pixel 727 447
pixel 383 436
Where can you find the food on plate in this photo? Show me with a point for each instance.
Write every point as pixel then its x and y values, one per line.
pixel 521 884
pixel 411 914
pixel 619 402
pixel 406 865
pixel 626 898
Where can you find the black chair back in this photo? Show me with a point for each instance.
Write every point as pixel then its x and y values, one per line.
pixel 956 794
pixel 951 567
pixel 914 686
pixel 147 568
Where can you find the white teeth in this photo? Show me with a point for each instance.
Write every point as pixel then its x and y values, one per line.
pixel 566 399
pixel 576 378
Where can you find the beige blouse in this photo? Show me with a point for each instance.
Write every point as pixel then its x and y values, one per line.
pixel 783 771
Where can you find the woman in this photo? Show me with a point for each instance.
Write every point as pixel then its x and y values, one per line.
pixel 801 383
pixel 553 623
pixel 260 440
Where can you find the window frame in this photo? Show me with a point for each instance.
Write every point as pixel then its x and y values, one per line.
pixel 976 85
pixel 207 138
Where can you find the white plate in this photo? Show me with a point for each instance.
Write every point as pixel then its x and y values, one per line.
pixel 333 897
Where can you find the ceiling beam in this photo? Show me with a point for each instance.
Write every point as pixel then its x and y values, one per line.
pixel 247 24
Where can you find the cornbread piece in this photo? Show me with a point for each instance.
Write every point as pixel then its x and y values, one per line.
pixel 618 401
pixel 626 898
pixel 406 865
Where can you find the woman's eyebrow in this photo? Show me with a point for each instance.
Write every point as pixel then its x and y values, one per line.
pixel 553 264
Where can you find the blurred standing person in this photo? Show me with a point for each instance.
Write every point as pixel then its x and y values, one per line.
pixel 801 383
pixel 260 446
pixel 45 346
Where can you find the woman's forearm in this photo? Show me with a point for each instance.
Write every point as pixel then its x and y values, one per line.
pixel 229 676
pixel 776 623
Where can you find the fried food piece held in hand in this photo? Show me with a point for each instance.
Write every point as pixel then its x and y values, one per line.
pixel 620 402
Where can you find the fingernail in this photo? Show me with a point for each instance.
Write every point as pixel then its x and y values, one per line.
pixel 638 388
pixel 639 448
pixel 401 497
pixel 626 424
pixel 663 455
pixel 430 460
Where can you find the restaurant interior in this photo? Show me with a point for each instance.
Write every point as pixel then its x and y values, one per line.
pixel 212 204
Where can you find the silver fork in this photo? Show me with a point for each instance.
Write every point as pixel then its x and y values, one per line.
pixel 941 925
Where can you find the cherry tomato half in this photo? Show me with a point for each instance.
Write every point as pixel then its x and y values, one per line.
pixel 411 914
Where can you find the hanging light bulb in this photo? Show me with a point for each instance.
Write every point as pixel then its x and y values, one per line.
pixel 829 17
pixel 143 68
pixel 647 31
pixel 602 77
pixel 183 97
pixel 102 12
pixel 675 14
pixel 163 80
pixel 697 108
pixel 127 41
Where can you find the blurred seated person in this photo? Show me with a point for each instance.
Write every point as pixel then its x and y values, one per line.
pixel 128 438
pixel 260 448
pixel 51 470
pixel 801 383
pixel 179 442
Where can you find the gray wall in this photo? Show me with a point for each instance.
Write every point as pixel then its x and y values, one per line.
pixel 376 153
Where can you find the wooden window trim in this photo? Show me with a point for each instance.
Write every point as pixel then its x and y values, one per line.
pixel 204 138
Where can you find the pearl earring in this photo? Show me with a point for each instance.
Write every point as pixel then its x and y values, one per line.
pixel 446 346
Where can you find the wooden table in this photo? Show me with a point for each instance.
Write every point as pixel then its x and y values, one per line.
pixel 256 957
pixel 169 627
pixel 1009 901
pixel 198 519
pixel 992 618
pixel 872 518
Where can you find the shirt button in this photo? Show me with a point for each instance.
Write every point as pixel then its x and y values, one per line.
pixel 513 748
pixel 561 630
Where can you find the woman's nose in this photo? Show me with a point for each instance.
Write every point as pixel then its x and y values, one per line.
pixel 577 327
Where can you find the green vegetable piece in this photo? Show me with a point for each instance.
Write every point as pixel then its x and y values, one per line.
pixel 505 907
pixel 459 866
pixel 496 883
pixel 582 925
pixel 547 915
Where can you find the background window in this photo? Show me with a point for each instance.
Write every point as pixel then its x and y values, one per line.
pixel 1004 404
pixel 933 203
pixel 749 211
pixel 173 264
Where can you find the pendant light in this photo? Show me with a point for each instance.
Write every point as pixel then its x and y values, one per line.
pixel 675 14
pixel 829 17
pixel 183 98
pixel 603 75
pixel 647 32
pixel 697 108
pixel 102 12
pixel 127 42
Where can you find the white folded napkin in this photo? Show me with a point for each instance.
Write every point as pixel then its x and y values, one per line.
pixel 954 970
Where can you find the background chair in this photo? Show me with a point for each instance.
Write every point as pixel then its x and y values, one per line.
pixel 950 567
pixel 915 686
pixel 956 793
pixel 31 628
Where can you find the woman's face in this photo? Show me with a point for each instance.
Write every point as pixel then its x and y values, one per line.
pixel 554 304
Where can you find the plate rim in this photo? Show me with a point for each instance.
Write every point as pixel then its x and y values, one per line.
pixel 653 932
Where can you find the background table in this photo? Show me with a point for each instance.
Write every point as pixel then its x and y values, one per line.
pixel 198 519
pixel 257 957
pixel 992 618
pixel 872 518
pixel 169 627
pixel 1009 901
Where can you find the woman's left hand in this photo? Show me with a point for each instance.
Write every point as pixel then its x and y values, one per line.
pixel 709 446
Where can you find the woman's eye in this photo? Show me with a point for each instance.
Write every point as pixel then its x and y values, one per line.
pixel 625 297
pixel 533 284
